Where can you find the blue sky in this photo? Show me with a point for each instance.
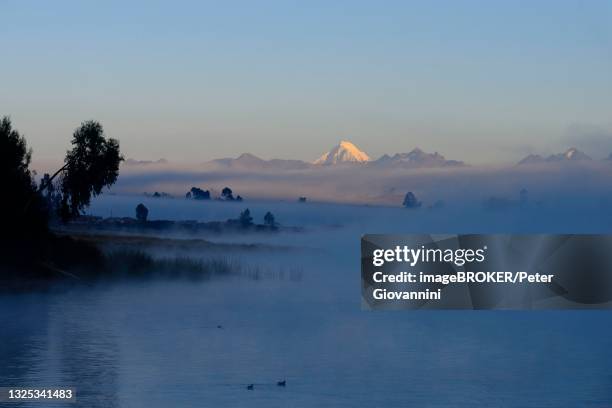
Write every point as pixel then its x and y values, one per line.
pixel 480 81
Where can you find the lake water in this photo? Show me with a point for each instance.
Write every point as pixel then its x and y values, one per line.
pixel 157 344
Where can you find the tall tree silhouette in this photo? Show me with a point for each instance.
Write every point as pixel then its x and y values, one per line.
pixel 21 207
pixel 91 165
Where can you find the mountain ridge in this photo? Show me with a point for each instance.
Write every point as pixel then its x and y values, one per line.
pixel 346 153
pixel 134 162
pixel 416 158
pixel 570 155
pixel 248 161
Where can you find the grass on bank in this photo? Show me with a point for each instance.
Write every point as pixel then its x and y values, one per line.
pixel 139 264
pixel 35 264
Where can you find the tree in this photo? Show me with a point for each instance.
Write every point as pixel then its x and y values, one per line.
pixel 245 218
pixel 269 220
pixel 410 201
pixel 198 194
pixel 142 212
pixel 227 194
pixel 21 207
pixel 91 165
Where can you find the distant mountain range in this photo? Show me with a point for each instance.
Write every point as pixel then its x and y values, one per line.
pixel 134 162
pixel 417 158
pixel 343 154
pixel 247 161
pixel 346 153
pixel 570 155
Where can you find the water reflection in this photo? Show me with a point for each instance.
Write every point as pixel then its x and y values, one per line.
pixel 158 345
pixel 52 340
pixel 24 337
pixel 87 351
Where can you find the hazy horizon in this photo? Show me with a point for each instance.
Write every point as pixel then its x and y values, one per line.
pixel 163 163
pixel 195 81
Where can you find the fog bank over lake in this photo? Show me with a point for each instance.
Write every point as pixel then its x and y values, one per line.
pixel 360 183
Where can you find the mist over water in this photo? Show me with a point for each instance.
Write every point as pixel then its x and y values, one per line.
pixel 573 213
pixel 157 344
pixel 554 184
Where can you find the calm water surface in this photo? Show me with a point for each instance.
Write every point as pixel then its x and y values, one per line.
pixel 156 343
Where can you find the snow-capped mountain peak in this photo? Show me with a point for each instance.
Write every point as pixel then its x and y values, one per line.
pixel 344 152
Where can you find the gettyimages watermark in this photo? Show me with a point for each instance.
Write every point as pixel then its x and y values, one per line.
pixel 479 271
